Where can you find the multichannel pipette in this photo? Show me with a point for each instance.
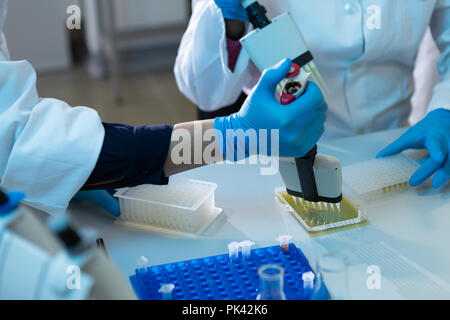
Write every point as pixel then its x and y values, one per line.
pixel 315 178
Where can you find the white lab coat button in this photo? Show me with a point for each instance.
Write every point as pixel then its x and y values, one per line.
pixel 351 8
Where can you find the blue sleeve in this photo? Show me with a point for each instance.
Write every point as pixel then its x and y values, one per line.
pixel 131 156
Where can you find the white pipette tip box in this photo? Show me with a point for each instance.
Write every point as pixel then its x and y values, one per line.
pixel 183 207
pixel 376 178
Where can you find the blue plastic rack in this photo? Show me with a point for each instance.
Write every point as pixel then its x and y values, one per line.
pixel 220 278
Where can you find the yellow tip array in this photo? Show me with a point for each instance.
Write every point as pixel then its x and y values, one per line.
pixel 395 187
pixel 315 75
pixel 321 216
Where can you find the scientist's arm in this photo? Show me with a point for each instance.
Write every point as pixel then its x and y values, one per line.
pixel 202 68
pixel 150 154
pixel 131 156
pixel 433 132
pixel 298 127
pixel 191 155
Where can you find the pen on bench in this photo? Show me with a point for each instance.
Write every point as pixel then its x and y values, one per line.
pixel 101 245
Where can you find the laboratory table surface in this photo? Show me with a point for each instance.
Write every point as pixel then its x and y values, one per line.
pixel 406 238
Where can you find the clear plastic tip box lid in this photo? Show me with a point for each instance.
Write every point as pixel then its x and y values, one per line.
pixel 184 206
pixel 376 178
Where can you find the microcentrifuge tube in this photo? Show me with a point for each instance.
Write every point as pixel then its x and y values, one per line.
pixel 246 247
pixel 166 291
pixel 141 265
pixel 233 250
pixel 308 280
pixel 284 241
pixel 271 283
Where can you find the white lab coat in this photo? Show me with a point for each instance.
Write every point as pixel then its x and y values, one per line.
pixel 426 76
pixel 47 148
pixel 369 72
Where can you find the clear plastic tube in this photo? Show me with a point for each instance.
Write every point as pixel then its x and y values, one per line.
pixel 308 280
pixel 284 241
pixel 233 250
pixel 166 291
pixel 271 283
pixel 246 247
pixel 333 272
pixel 141 265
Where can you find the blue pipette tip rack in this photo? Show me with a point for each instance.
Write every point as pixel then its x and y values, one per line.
pixel 220 278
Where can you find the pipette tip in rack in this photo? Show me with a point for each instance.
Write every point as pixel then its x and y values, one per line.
pixel 233 250
pixel 141 264
pixel 166 291
pixel 284 241
pixel 246 247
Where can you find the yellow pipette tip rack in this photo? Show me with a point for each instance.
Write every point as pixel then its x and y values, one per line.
pixel 322 217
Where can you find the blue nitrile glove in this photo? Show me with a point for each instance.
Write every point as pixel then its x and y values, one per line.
pixel 102 198
pixel 432 133
pixel 300 123
pixel 232 9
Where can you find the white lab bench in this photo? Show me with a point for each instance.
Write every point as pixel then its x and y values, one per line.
pixel 407 237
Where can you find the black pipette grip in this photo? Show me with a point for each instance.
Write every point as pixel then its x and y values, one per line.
pixel 257 15
pixel 305 170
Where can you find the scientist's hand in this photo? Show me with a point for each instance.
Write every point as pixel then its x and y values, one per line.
pixel 102 198
pixel 432 133
pixel 300 123
pixel 232 9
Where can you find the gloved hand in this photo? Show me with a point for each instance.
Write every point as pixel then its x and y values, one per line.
pixel 432 133
pixel 232 9
pixel 102 198
pixel 300 123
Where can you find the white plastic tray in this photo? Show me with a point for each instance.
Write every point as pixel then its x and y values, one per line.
pixel 183 207
pixel 375 178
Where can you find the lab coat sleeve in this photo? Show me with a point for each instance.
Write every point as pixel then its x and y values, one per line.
pixel 131 156
pixel 201 67
pixel 440 28
pixel 47 148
